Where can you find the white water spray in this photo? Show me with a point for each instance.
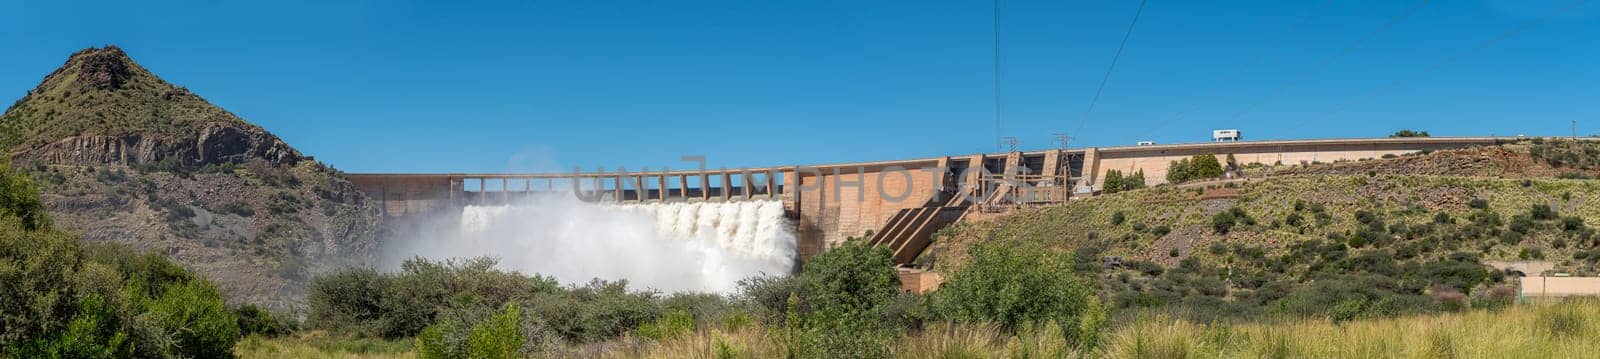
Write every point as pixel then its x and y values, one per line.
pixel 705 247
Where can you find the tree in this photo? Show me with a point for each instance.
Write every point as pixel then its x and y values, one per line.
pixel 850 291
pixel 62 298
pixel 1409 133
pixel 854 278
pixel 1178 171
pixel 1135 181
pixel 1204 166
pixel 1113 182
pixel 1019 284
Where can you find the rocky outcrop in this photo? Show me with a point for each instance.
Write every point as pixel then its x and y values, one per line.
pixel 217 143
pixel 105 69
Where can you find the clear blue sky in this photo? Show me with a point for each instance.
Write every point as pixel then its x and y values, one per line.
pixel 431 86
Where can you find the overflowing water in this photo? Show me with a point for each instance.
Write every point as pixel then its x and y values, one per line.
pixel 705 247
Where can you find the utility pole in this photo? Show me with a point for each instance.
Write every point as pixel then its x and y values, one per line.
pixel 1574 129
pixel 1062 139
pixel 1064 165
pixel 1010 141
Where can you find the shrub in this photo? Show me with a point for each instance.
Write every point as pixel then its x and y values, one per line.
pixel 1478 203
pixel 205 328
pixel 1294 219
pixel 1205 166
pixel 1016 284
pixel 239 208
pixel 850 291
pixel 253 320
pixel 1409 133
pixel 1572 224
pixel 63 298
pixel 498 338
pixel 1112 182
pixel 1117 218
pixel 1542 212
pixel 475 332
pixel 855 278
pixel 672 325
pixel 768 296
pixel 1224 221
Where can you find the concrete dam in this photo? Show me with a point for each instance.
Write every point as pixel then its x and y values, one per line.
pixel 898 203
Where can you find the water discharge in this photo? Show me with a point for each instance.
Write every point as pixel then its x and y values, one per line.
pixel 704 247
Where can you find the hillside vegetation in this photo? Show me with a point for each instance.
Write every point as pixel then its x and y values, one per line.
pixel 1307 245
pixel 122 156
pixel 60 298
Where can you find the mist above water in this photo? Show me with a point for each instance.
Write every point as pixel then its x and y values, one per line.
pixel 672 247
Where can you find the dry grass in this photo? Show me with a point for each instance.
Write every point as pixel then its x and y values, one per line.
pixel 1561 330
pixel 1565 330
pixel 318 344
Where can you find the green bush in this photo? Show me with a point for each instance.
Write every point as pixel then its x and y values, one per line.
pixel 443 300
pixel 768 296
pixel 850 291
pixel 1019 284
pixel 672 325
pixel 62 298
pixel 1409 133
pixel 204 327
pixel 472 331
pixel 1224 221
pixel 855 278
pixel 253 320
pixel 498 338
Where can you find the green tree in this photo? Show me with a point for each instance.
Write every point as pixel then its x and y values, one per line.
pixel 1135 181
pixel 498 338
pixel 203 327
pixel 1113 182
pixel 850 291
pixel 1204 166
pixel 1179 171
pixel 855 278
pixel 60 298
pixel 19 198
pixel 1020 284
pixel 1409 133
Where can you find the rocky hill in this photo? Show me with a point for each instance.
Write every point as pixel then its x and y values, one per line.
pixel 121 155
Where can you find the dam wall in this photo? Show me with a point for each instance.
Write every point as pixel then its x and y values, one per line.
pixel 1153 160
pixel 880 200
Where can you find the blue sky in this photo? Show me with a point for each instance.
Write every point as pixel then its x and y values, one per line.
pixel 445 86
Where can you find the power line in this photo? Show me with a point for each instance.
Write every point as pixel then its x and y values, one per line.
pixel 1107 78
pixel 1323 65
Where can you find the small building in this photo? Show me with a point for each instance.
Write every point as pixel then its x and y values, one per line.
pixel 1230 135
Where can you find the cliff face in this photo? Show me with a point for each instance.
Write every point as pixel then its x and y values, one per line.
pixel 122 155
pixel 215 144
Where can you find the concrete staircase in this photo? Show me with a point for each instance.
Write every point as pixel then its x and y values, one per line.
pixel 911 230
